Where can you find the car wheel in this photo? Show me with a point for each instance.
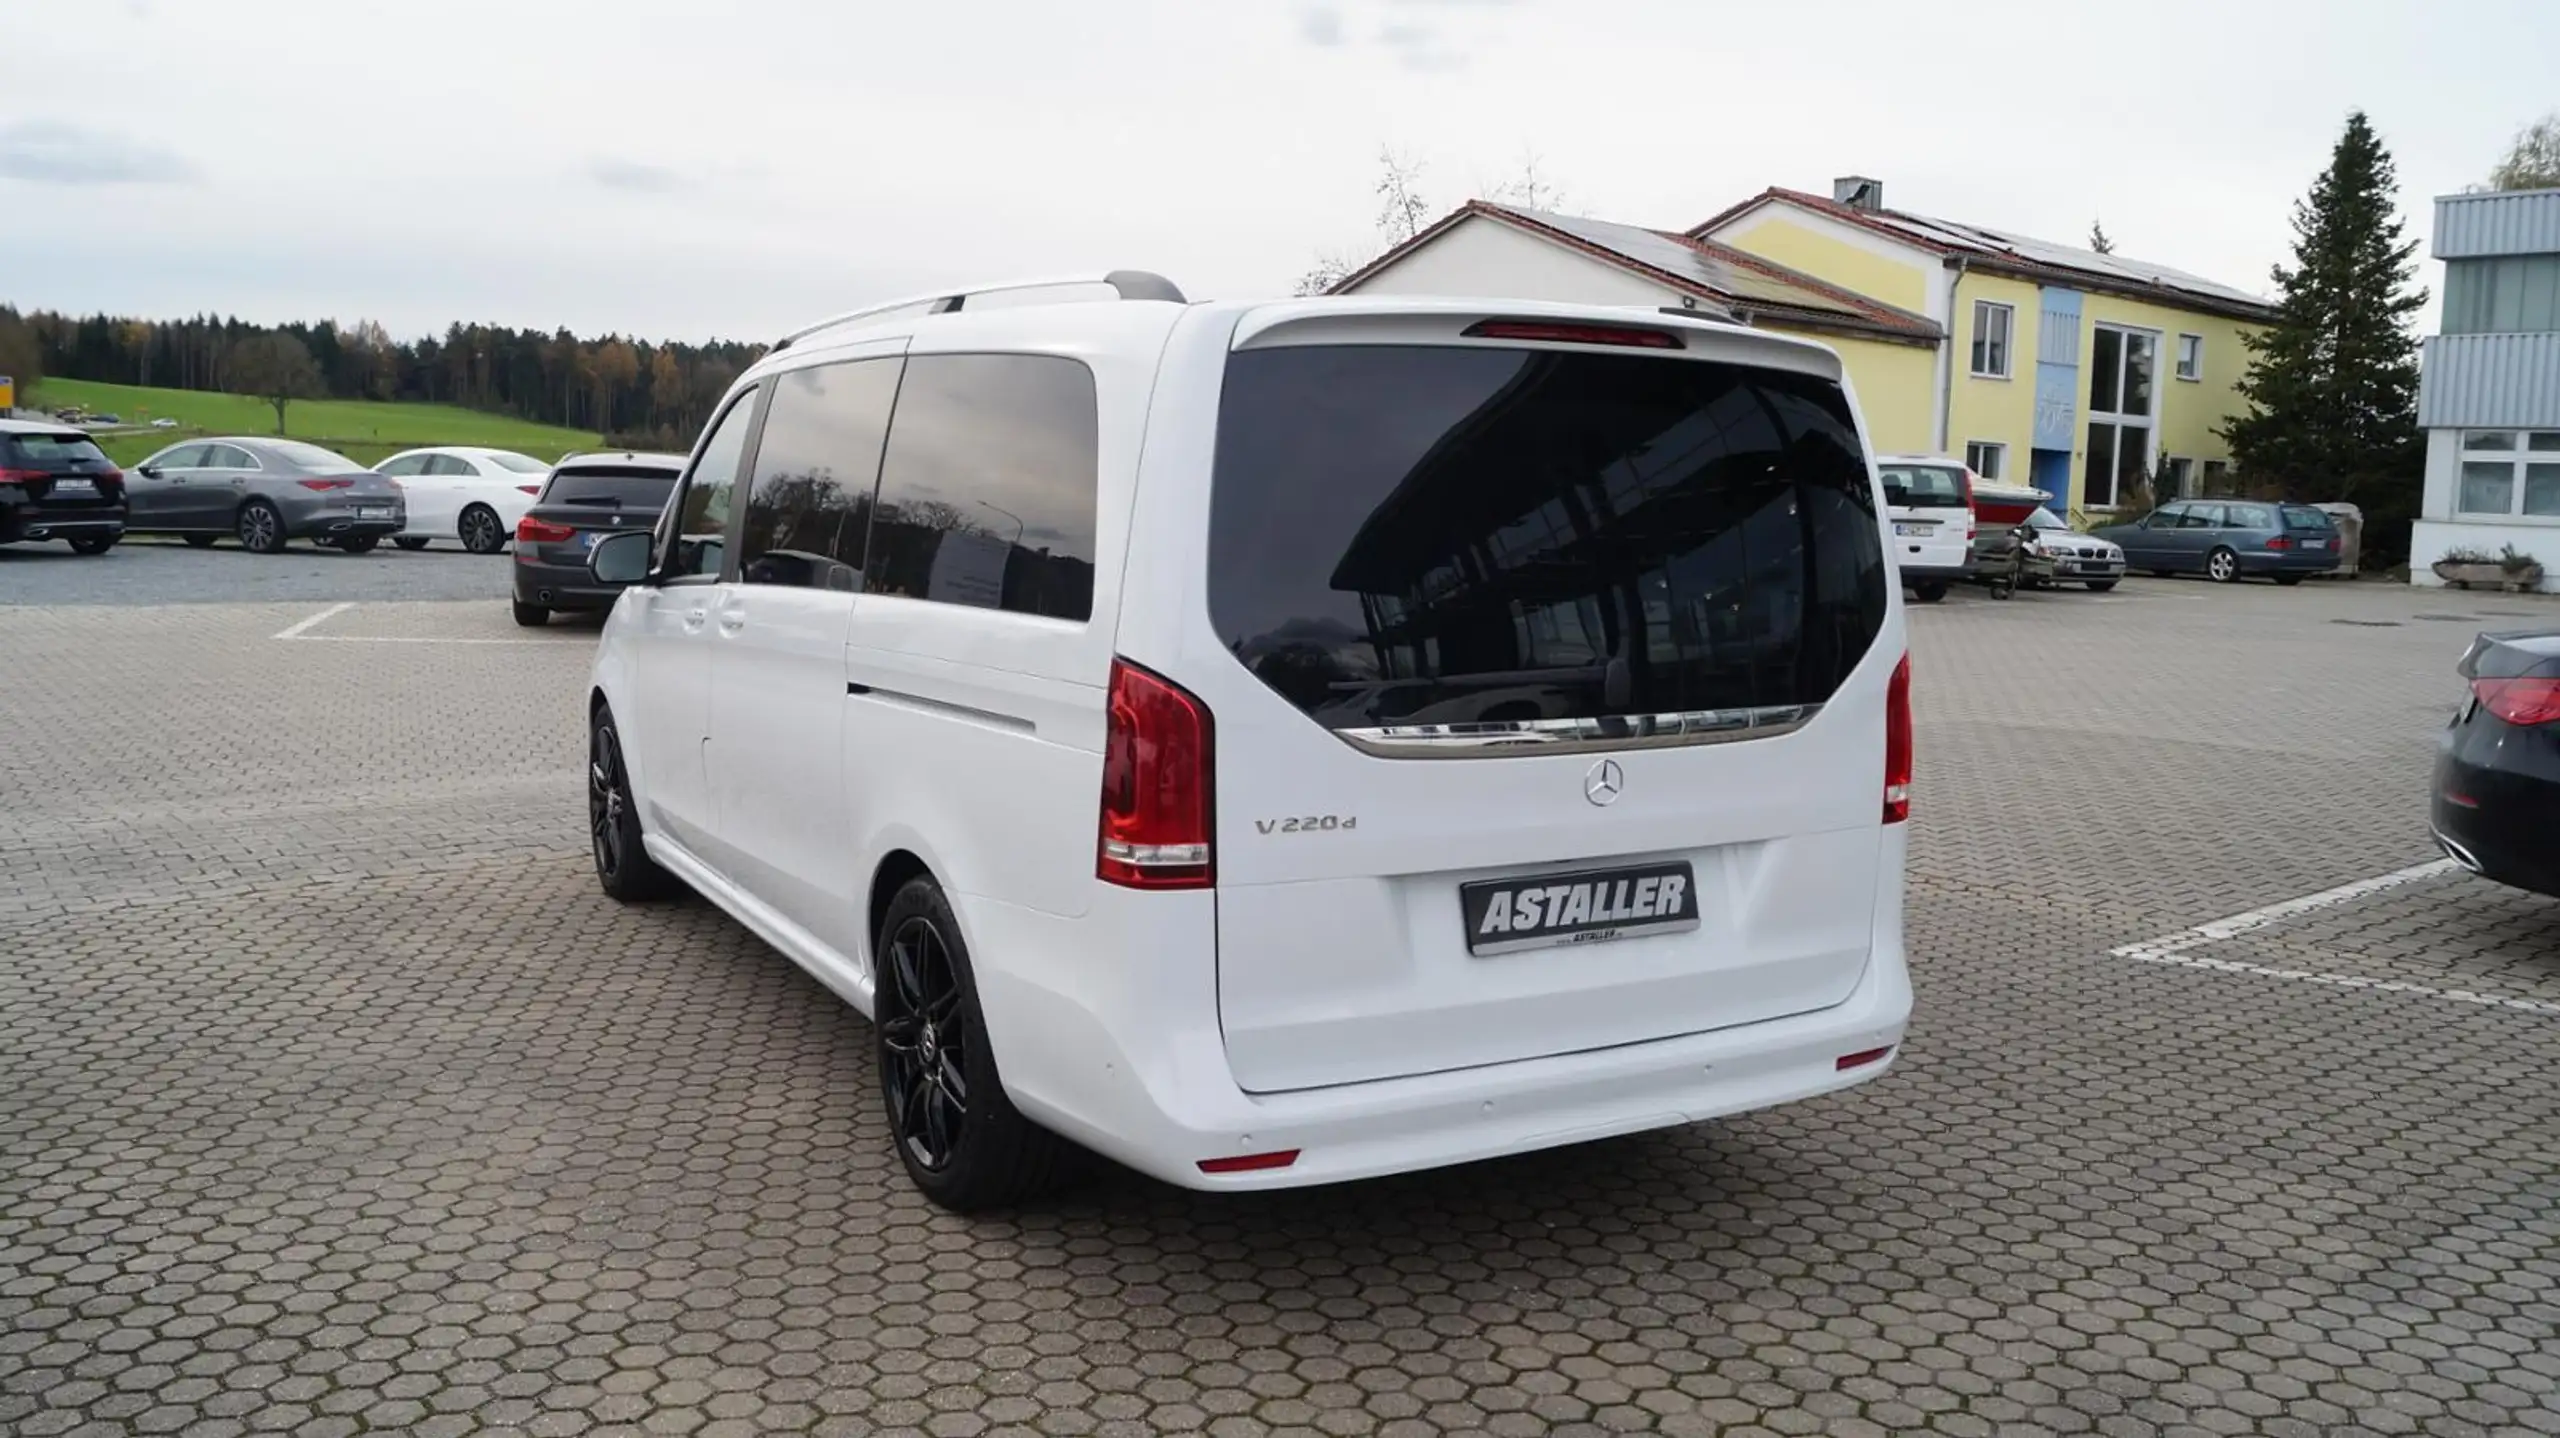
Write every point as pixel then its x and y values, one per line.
pixel 1931 592
pixel 624 869
pixel 531 616
pixel 261 528
pixel 2101 586
pixel 2288 580
pixel 962 1141
pixel 359 543
pixel 87 545
pixel 410 541
pixel 480 530
pixel 2222 566
pixel 201 541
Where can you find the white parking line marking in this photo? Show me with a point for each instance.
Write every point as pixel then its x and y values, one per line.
pixel 401 639
pixel 295 631
pixel 2179 948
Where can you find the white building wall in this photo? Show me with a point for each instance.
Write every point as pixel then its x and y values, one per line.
pixel 2439 530
pixel 1478 257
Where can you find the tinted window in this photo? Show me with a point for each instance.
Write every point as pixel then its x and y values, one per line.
pixel 701 530
pixel 2249 516
pixel 227 456
pixel 404 466
pixel 987 490
pixel 612 487
pixel 451 465
pixel 310 456
pixel 520 463
pixel 1922 486
pixel 185 456
pixel 57 451
pixel 2303 516
pixel 809 508
pixel 1442 535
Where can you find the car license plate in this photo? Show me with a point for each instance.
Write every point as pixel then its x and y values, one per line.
pixel 75 489
pixel 1505 916
pixel 2315 544
pixel 588 539
pixel 373 511
pixel 1915 531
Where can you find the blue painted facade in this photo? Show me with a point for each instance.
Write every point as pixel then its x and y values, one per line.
pixel 2057 424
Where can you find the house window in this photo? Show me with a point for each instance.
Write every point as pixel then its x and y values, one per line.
pixel 2174 470
pixel 1991 325
pixel 2191 357
pixel 2509 474
pixel 2503 294
pixel 1984 458
pixel 2123 399
pixel 2216 477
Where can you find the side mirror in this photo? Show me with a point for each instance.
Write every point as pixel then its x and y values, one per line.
pixel 149 471
pixel 620 558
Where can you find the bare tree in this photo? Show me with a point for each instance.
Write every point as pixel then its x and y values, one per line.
pixel 1401 207
pixel 2533 161
pixel 275 368
pixel 1529 188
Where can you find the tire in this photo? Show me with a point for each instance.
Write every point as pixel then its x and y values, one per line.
pixel 531 616
pixel 410 541
pixel 624 869
pixel 201 541
pixel 480 530
pixel 2162 574
pixel 260 527
pixel 359 543
pixel 2222 566
pixel 2288 580
pixel 1930 592
pixel 962 1141
pixel 94 546
pixel 2101 586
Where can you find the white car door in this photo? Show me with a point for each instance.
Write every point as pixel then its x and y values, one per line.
pixel 670 692
pixel 778 699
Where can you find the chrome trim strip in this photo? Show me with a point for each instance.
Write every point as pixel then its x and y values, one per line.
pixel 942 707
pixel 1579 736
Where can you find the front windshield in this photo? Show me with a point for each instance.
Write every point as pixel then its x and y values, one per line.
pixel 2045 519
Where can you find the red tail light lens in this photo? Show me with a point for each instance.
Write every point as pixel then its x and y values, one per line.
pixel 1542 331
pixel 326 484
pixel 2526 702
pixel 1897 744
pixel 2279 543
pixel 530 530
pixel 1156 753
pixel 22 476
pixel 1250 1162
pixel 1861 1058
pixel 530 488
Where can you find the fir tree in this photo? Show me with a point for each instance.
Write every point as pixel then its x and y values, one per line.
pixel 2098 238
pixel 2332 392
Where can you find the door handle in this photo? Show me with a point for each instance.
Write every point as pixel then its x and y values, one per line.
pixel 732 620
pixel 693 618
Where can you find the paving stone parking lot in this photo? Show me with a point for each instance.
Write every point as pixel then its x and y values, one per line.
pixel 333 1098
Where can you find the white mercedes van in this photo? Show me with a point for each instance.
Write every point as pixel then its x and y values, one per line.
pixel 1280 743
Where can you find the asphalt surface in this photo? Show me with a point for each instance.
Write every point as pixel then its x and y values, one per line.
pixel 153 570
pixel 333 1097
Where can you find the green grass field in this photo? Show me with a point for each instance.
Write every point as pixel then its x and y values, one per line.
pixel 367 431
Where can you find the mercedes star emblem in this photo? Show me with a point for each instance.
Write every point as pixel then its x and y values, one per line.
pixel 1604 783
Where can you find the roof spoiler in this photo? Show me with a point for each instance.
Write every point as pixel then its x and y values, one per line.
pixel 1129 284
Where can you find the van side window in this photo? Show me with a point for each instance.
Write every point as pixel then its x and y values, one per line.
pixel 809 503
pixel 987 489
pixel 691 547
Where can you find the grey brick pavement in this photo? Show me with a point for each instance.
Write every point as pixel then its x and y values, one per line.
pixel 333 1099
pixel 154 570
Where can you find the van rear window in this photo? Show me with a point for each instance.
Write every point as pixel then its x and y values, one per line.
pixel 1430 535
pixel 1922 486
pixel 39 450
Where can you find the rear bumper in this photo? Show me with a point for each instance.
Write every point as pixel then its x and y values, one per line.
pixel 341 526
pixel 2504 832
pixel 560 587
pixel 1167 1099
pixel 28 522
pixel 1936 573
pixel 2320 562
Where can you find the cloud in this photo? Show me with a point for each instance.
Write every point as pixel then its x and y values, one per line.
pixel 1420 47
pixel 52 153
pixel 1321 26
pixel 635 176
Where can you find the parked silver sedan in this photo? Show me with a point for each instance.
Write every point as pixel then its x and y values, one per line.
pixel 262 492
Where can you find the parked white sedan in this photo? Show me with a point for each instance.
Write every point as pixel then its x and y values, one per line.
pixel 467 494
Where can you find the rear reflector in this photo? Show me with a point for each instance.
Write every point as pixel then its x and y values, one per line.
pixel 1547 332
pixel 1862 1058
pixel 1156 780
pixel 530 530
pixel 2527 702
pixel 325 484
pixel 1250 1162
pixel 1897 744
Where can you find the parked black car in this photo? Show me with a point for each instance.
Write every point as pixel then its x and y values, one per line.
pixel 55 483
pixel 2497 792
pixel 587 497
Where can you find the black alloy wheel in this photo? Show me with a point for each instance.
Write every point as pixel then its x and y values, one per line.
pixel 480 530
pixel 261 528
pixel 924 1047
pixel 623 867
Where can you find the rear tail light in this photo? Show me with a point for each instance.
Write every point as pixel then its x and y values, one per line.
pixel 530 530
pixel 1861 1058
pixel 23 476
pixel 325 484
pixel 2525 702
pixel 1543 331
pixel 2279 543
pixel 1250 1162
pixel 1897 744
pixel 1155 785
pixel 530 488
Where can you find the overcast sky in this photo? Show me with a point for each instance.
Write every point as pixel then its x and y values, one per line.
pixel 697 169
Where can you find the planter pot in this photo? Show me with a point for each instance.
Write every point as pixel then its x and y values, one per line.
pixel 2514 581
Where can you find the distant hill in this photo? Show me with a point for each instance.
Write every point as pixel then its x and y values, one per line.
pixel 363 430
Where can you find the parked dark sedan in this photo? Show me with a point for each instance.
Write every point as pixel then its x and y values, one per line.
pixel 2497 799
pixel 587 497
pixel 2229 539
pixel 56 484
pixel 263 492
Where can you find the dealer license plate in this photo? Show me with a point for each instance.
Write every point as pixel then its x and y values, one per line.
pixel 1505 916
pixel 373 511
pixel 75 489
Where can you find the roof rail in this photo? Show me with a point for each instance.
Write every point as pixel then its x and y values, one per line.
pixel 1131 285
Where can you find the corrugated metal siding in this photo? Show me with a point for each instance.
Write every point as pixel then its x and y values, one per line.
pixel 2524 222
pixel 2489 381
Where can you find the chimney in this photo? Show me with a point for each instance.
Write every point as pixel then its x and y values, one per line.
pixel 1858 192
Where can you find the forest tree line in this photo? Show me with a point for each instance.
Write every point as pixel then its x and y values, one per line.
pixel 617 386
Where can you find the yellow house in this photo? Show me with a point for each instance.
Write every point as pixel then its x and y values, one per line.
pixel 1485 249
pixel 2066 369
